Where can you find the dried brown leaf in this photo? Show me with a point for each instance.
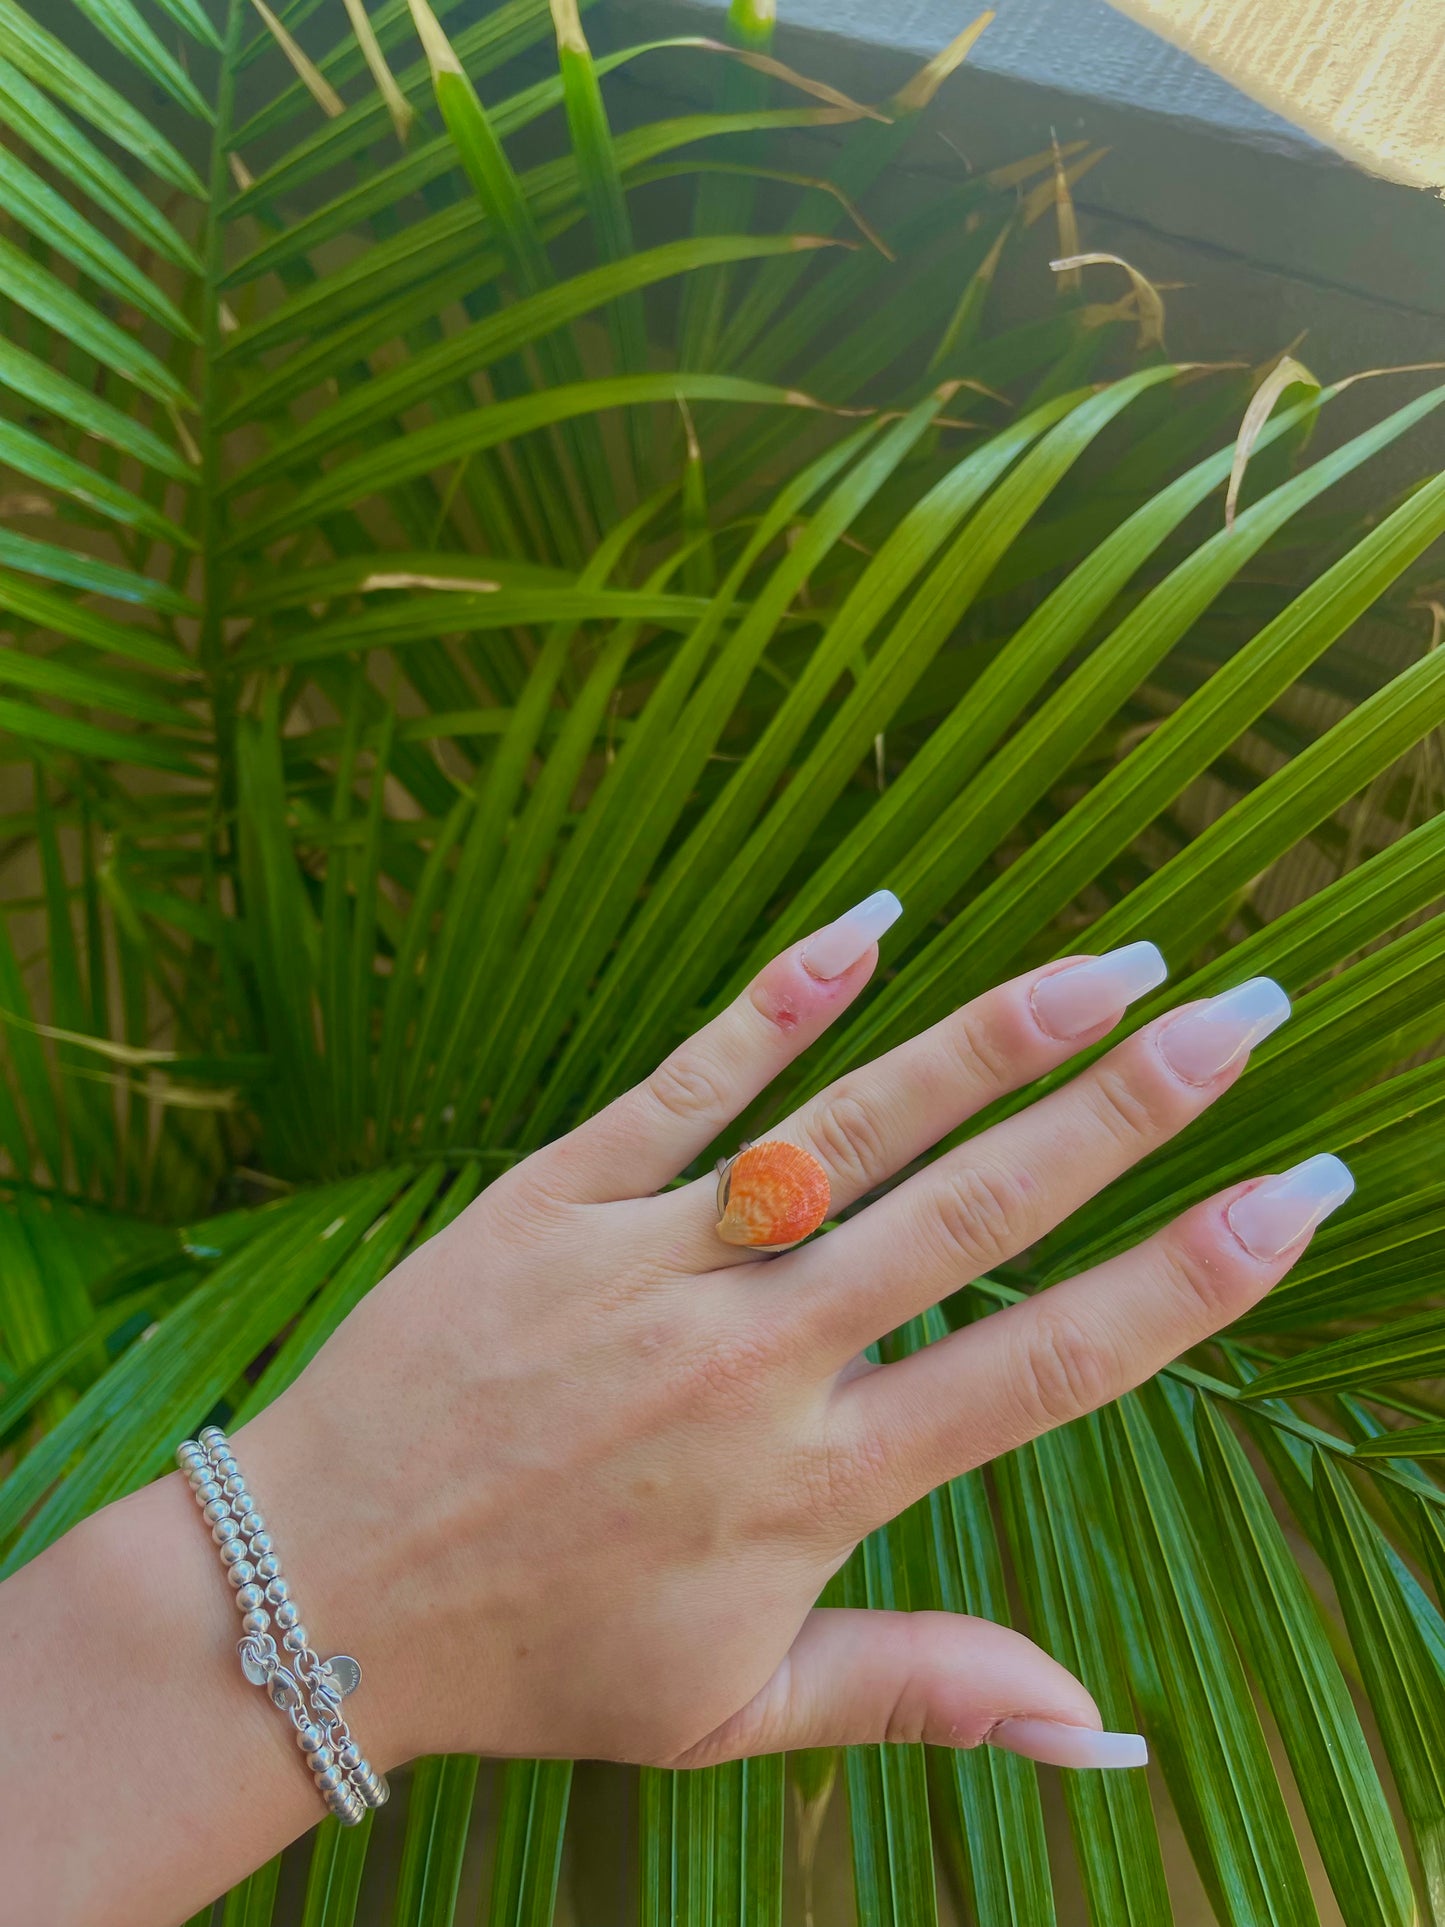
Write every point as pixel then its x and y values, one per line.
pixel 1285 374
pixel 307 72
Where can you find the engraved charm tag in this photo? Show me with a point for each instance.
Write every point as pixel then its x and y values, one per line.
pixel 254 1667
pixel 345 1671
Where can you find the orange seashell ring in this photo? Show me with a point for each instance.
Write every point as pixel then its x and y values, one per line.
pixel 770 1195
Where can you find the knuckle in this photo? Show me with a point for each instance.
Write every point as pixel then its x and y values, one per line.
pixel 725 1371
pixel 1127 1108
pixel 848 1134
pixel 838 1481
pixel 1068 1369
pixel 521 1203
pixel 981 1214
pixel 987 1055
pixel 1212 1284
pixel 687 1086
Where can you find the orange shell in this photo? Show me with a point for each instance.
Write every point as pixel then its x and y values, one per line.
pixel 771 1194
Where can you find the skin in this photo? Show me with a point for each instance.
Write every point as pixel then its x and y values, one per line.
pixel 569 1481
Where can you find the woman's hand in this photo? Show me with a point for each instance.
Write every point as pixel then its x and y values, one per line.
pixel 570 1481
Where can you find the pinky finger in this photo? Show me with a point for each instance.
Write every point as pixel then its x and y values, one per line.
pixel 1066 1351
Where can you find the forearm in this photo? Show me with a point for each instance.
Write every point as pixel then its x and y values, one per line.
pixel 140 1775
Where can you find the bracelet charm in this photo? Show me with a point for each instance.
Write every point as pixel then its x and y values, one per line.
pixel 309 1690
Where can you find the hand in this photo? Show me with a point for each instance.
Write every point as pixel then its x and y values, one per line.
pixel 597 1465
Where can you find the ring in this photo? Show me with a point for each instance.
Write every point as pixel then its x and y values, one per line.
pixel 770 1195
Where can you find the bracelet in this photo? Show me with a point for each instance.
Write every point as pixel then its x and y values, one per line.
pixel 308 1689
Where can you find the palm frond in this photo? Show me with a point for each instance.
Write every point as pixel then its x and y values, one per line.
pixel 479 576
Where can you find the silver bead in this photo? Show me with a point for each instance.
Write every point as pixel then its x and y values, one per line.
pixel 235 1484
pixel 348 1808
pixel 268 1568
pixel 249 1598
pixel 209 1432
pixel 241 1502
pixel 309 1736
pixel 287 1614
pixel 261 1544
pixel 224 1531
pixel 233 1552
pixel 296 1639
pixel 208 1492
pixel 329 1778
pixel 278 1590
pixel 242 1573
pixel 251 1522
pixel 197 1478
pixel 321 1758
pixel 371 1785
pixel 256 1621
pixel 189 1455
pixel 351 1756
pixel 215 1511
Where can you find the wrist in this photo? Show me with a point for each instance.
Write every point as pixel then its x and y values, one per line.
pixel 333 1558
pixel 118 1677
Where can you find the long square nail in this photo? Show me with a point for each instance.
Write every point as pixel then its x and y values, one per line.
pixel 838 945
pixel 1096 990
pixel 1201 1044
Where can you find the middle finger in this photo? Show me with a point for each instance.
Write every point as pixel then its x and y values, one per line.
pixel 869 1124
pixel 1005 1189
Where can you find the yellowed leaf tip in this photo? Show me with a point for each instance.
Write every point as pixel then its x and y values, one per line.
pixel 694 446
pixel 184 436
pixel 1399 368
pixel 435 45
pixel 405 579
pixel 1285 374
pixel 1039 199
pixel 1068 221
pixel 134 1055
pixel 1017 172
pixel 914 95
pixel 307 72
pixel 567 22
pixel 1147 302
pixel 776 70
pixel 397 105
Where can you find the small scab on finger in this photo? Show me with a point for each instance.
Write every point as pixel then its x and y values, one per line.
pixel 776 1005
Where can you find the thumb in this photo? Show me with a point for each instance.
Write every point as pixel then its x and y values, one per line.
pixel 851 1678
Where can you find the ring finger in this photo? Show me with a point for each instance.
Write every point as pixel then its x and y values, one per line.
pixel 868 1125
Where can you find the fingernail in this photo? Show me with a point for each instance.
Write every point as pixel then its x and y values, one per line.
pixel 1279 1212
pixel 1204 1042
pixel 1068 1002
pixel 838 946
pixel 1056 1744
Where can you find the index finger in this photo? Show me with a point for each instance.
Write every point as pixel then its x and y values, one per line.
pixel 644 1138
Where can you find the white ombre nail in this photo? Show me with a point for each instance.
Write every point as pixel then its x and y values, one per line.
pixel 1058 1745
pixel 1084 995
pixel 1203 1043
pixel 1279 1212
pixel 838 946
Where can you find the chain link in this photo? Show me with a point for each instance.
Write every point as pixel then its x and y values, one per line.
pixel 300 1683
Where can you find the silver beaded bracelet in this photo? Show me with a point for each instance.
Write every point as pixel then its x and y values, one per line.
pixel 308 1689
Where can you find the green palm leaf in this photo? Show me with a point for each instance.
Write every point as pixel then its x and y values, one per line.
pixel 465 604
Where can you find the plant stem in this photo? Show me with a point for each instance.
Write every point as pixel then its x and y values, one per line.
pixel 215 570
